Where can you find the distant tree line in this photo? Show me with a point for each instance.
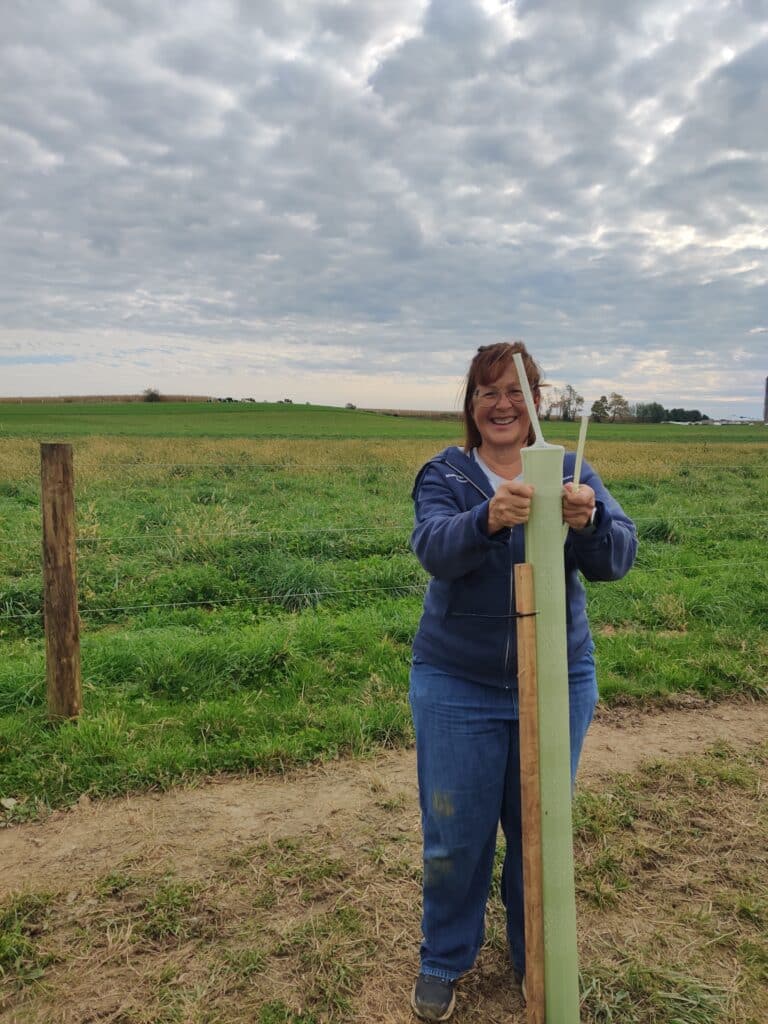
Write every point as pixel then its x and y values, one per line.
pixel 616 407
pixel 566 404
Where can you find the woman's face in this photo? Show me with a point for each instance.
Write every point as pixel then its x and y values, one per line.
pixel 500 413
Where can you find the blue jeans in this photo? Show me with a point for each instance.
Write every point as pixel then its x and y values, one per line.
pixel 468 755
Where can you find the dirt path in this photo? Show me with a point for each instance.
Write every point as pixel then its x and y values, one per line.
pixel 189 829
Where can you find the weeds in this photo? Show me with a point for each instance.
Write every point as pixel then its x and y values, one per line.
pixel 631 992
pixel 166 912
pixel 279 1013
pixel 22 920
pixel 330 950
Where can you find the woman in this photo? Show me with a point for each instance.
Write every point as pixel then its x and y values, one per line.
pixel 471 506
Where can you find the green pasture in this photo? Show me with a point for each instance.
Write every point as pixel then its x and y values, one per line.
pixel 59 421
pixel 248 605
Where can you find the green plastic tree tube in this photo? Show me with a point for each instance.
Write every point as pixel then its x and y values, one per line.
pixel 544 532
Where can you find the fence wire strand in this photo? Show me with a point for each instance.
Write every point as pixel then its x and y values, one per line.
pixel 289 596
pixel 259 532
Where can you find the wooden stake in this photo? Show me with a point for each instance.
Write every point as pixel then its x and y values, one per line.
pixel 62 621
pixel 530 794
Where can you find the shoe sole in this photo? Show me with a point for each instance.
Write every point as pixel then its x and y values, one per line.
pixel 421 1016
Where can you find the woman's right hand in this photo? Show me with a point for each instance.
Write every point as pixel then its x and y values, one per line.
pixel 510 505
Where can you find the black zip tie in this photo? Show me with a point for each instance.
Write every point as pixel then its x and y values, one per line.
pixel 479 615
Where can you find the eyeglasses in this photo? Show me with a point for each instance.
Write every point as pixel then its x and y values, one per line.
pixel 491 396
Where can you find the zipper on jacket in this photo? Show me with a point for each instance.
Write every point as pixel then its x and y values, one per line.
pixel 468 479
pixel 510 620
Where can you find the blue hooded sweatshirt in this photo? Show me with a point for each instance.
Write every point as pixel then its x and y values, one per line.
pixel 468 625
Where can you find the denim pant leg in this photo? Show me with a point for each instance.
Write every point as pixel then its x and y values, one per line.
pixel 582 692
pixel 462 749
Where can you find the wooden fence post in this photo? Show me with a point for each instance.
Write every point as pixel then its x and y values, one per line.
pixel 62 620
pixel 530 793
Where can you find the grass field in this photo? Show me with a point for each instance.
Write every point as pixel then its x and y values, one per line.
pixel 248 604
pixel 62 422
pixel 182 419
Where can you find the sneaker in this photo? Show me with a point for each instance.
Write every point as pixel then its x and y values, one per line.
pixel 433 998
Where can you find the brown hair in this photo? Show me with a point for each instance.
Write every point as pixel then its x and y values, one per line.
pixel 488 365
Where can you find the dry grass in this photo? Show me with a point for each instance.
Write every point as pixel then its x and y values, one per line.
pixel 99 458
pixel 672 875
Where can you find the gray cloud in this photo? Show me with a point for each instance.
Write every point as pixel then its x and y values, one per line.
pixel 385 186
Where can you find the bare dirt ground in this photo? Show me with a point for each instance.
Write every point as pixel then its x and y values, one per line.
pixel 188 828
pixel 296 900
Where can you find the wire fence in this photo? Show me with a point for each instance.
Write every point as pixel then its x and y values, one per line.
pixel 709 569
pixel 243 601
pixel 258 531
pixel 93 541
pixel 157 538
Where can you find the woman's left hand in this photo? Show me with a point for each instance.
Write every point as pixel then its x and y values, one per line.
pixel 578 505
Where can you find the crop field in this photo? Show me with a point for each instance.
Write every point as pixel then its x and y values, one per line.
pixel 248 599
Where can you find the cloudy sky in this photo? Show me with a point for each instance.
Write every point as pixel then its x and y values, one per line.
pixel 338 201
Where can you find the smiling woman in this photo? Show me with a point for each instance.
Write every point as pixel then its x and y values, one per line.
pixel 471 505
pixel 495 417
